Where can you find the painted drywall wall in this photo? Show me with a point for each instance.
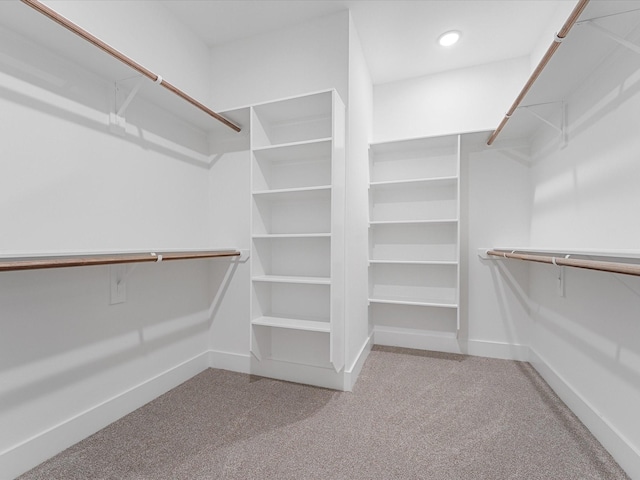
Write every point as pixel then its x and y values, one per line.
pixel 306 58
pixel 496 199
pixel 548 33
pixel 230 216
pixel 70 362
pixel 464 100
pixel 360 110
pixel 148 33
pixel 585 196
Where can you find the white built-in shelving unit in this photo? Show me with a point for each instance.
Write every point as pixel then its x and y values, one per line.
pixel 297 260
pixel 414 241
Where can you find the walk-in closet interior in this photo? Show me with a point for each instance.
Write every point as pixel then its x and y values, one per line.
pixel 279 201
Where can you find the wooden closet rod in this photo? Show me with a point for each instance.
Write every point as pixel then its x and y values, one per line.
pixel 69 25
pixel 564 31
pixel 9 264
pixel 603 266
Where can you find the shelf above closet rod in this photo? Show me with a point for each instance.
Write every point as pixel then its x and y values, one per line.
pixel 564 261
pixel 69 25
pixel 61 261
pixel 564 31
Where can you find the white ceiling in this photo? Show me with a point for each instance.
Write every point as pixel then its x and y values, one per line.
pixel 399 37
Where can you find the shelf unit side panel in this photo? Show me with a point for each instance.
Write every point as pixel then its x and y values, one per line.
pixel 338 203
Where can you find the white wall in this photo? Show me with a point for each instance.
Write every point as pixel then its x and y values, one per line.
pixel 585 196
pixel 309 57
pixel 547 35
pixel 70 362
pixel 497 198
pixel 229 217
pixel 360 112
pixel 464 100
pixel 148 33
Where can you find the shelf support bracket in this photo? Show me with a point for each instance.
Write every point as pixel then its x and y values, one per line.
pixel 612 36
pixel 562 129
pixel 118 275
pixel 117 121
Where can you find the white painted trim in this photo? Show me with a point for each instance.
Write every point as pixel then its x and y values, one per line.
pixel 298 373
pixel 413 338
pixel 353 372
pixel 35 450
pixel 505 351
pixel 620 448
pixel 234 362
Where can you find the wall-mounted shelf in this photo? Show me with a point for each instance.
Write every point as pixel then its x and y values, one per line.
pixel 86 260
pixel 21 22
pixel 626 263
pixel 576 57
pixel 293 324
pixel 298 280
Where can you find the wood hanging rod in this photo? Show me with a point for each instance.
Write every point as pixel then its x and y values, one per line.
pixel 562 261
pixel 69 25
pixel 33 263
pixel 561 35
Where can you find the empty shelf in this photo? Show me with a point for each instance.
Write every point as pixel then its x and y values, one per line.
pixel 291 279
pixel 293 324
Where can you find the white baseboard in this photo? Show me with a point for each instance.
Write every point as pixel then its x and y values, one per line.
pixel 353 372
pixel 412 338
pixel 234 362
pixel 298 373
pixel 35 450
pixel 448 343
pixel 627 456
pixel 505 351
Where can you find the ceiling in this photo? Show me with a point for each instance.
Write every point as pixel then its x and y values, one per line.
pixel 399 37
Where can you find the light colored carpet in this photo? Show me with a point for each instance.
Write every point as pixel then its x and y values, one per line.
pixel 412 415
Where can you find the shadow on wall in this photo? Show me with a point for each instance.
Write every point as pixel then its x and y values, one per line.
pixel 40 80
pixel 597 315
pixel 59 330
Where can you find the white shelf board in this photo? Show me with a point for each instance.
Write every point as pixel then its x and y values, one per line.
pixel 440 303
pixel 413 262
pixel 449 180
pixel 293 150
pixel 292 279
pixel 268 236
pixel 293 324
pixel 412 222
pixel 577 57
pixel 320 191
pixel 39 30
pixel 561 252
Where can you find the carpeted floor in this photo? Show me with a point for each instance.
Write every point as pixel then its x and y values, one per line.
pixel 412 415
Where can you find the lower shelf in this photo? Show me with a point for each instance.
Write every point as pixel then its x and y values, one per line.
pixel 293 324
pixel 415 302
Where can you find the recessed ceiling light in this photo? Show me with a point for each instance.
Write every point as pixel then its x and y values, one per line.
pixel 449 38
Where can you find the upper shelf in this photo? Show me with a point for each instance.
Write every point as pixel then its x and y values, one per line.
pixel 37 29
pixel 85 260
pixel 577 56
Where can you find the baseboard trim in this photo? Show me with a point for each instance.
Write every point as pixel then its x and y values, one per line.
pixel 505 351
pixel 298 373
pixel 418 339
pixel 623 451
pixel 31 452
pixel 234 362
pixel 352 373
